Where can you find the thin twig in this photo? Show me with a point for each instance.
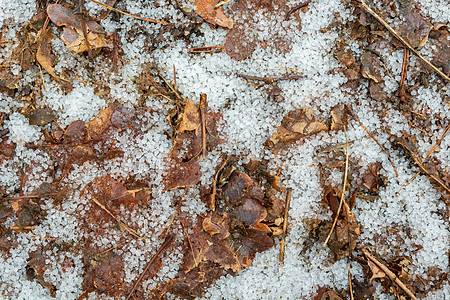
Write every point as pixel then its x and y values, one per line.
pixel 343 188
pixel 437 143
pixel 207 49
pixel 295 8
pixel 350 281
pixel 270 80
pixel 403 41
pixel 214 188
pixel 190 244
pixel 402 94
pixel 203 119
pixel 166 243
pixel 128 14
pixel 376 141
pixel 285 223
pixel 389 273
pixel 112 248
pixel 124 226
pixel 419 163
pixel 222 3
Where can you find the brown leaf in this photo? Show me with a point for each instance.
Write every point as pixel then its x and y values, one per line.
pixel 376 272
pixel 415 29
pixel 206 9
pixel 41 116
pixel 251 212
pixel 294 126
pixel 338 117
pixel 36 268
pixel 75 132
pixel 255 241
pixel 190 119
pixel 371 179
pixel 331 199
pixel 216 225
pixel 73 35
pixel 105 274
pixel 241 186
pixel 100 123
pixel 182 175
pixel 44 54
pixel 371 66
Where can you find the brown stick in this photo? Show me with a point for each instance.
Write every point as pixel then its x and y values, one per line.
pixel 403 41
pixel 124 226
pixel 295 8
pixel 389 273
pixel 128 14
pixel 166 243
pixel 402 94
pixel 285 223
pixel 437 143
pixel 214 188
pixel 207 49
pixel 203 119
pixel 190 244
pixel 350 281
pixel 270 80
pixel 419 163
pixel 343 189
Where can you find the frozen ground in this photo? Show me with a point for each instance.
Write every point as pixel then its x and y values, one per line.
pixel 403 221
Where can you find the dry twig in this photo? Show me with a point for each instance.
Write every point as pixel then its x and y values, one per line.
pixel 128 14
pixel 203 120
pixel 214 187
pixel 403 41
pixel 389 273
pixel 124 226
pixel 343 188
pixel 285 223
pixel 166 243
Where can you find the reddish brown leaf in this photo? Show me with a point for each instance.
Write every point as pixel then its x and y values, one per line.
pixel 44 54
pixel 414 29
pixel 371 179
pixel 100 123
pixel 183 175
pixel 36 268
pixel 206 9
pixel 190 119
pixel 251 212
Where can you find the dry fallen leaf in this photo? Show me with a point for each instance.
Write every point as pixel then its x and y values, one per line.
pixel 73 35
pixel 190 119
pixel 207 10
pixel 371 66
pixel 44 53
pixel 294 126
pixel 376 272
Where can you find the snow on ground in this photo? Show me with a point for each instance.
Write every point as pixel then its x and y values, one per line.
pixel 248 121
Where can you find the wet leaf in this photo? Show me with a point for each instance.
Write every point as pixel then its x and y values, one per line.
pixel 73 35
pixel 44 54
pixel 415 29
pixel 255 241
pixel 105 274
pixel 41 116
pixel 206 9
pixel 182 175
pixel 371 179
pixel 371 66
pixel 96 127
pixel 294 126
pixel 216 225
pixel 37 267
pixel 251 212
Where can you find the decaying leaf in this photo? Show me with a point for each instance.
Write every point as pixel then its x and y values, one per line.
pixel 376 271
pixel 44 54
pixel 371 179
pixel 415 29
pixel 190 119
pixel 294 126
pixel 207 10
pixel 36 267
pixel 102 121
pixel 73 35
pixel 371 66
pixel 41 116
pixel 183 175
